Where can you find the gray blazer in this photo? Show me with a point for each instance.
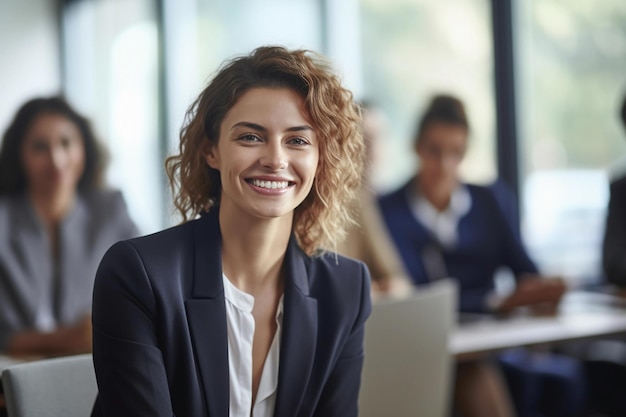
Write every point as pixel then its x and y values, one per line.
pixel 28 281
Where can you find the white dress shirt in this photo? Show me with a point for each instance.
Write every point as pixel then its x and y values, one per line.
pixel 240 325
pixel 443 224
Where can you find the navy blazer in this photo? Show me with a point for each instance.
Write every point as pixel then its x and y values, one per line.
pixel 160 337
pixel 487 240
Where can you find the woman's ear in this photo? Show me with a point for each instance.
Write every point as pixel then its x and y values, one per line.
pixel 211 156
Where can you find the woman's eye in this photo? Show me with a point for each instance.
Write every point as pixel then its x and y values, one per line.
pixel 66 142
pixel 39 146
pixel 250 138
pixel 298 141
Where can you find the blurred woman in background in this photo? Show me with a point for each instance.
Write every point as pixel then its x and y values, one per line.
pixel 446 228
pixel 57 220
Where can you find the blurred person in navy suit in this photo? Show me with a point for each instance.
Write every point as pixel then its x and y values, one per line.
pixel 57 220
pixel 606 359
pixel 444 227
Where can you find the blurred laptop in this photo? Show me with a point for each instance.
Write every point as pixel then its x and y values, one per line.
pixel 407 369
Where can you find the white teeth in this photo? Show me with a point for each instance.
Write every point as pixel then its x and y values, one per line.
pixel 270 184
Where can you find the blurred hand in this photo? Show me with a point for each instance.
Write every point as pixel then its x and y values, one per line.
pixel 391 287
pixel 76 339
pixel 65 340
pixel 542 294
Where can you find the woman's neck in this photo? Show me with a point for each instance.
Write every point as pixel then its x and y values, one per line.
pixel 53 207
pixel 438 195
pixel 253 251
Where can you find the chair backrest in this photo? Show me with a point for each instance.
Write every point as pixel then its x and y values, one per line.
pixel 407 369
pixel 59 387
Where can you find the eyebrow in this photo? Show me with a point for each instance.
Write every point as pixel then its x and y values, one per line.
pixel 263 129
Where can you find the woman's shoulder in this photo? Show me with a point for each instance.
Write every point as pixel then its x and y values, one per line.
pixel 104 200
pixel 105 206
pixel 9 202
pixel 169 245
pixel 161 251
pixel 105 210
pixel 14 209
pixel 333 271
pixel 479 189
pixel 332 261
pixel 494 195
pixel 341 286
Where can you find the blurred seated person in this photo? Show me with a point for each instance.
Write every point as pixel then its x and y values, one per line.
pixel 443 227
pixel 614 245
pixel 368 239
pixel 605 360
pixel 57 221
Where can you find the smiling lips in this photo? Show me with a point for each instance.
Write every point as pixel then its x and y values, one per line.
pixel 270 186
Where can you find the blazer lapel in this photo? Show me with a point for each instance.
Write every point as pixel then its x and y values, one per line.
pixel 206 315
pixel 298 344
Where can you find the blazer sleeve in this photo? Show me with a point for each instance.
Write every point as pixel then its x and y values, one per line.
pixel 514 254
pixel 614 244
pixel 340 395
pixel 129 366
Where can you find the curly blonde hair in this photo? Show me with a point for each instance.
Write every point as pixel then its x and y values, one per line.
pixel 320 222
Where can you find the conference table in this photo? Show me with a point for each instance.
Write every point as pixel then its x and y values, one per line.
pixel 581 315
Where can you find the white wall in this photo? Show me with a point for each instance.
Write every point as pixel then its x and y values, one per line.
pixel 29 57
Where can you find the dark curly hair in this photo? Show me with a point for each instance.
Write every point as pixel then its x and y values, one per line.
pixel 443 108
pixel 12 176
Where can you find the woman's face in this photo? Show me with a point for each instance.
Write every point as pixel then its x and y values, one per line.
pixel 267 154
pixel 53 155
pixel 441 150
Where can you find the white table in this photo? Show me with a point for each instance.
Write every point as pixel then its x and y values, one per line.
pixel 581 316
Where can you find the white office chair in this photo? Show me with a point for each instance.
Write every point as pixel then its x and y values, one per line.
pixel 408 367
pixel 60 387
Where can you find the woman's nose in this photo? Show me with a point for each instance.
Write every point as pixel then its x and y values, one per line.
pixel 58 156
pixel 274 157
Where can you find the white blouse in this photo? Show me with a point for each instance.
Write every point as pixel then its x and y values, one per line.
pixel 240 325
pixel 444 224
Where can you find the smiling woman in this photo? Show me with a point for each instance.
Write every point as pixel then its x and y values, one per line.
pixel 267 163
pixel 241 311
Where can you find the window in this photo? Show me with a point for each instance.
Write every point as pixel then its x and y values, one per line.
pixel 111 75
pixel 571 59
pixel 414 49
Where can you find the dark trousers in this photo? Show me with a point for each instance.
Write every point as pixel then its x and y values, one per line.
pixel 607 382
pixel 545 384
